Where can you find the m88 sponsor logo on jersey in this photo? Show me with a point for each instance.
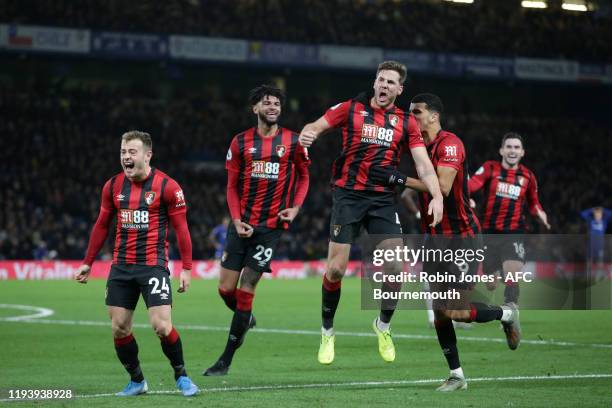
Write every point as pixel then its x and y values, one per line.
pixel 374 134
pixel 134 219
pixel 265 169
pixel 507 190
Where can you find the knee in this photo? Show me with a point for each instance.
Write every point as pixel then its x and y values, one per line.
pixel 335 272
pixel 225 286
pixel 121 329
pixel 162 328
pixel 458 315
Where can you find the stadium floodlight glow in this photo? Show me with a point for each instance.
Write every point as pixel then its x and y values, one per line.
pixel 461 1
pixel 574 7
pixel 534 4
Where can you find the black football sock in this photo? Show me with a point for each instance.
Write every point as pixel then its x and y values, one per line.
pixel 448 342
pixel 482 313
pixel 127 351
pixel 511 293
pixel 330 299
pixel 229 297
pixel 173 349
pixel 239 326
pixel 387 306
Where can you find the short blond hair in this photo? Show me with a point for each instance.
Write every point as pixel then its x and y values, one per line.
pixel 144 137
pixel 393 66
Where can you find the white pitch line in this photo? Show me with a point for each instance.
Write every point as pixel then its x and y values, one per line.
pixel 276 387
pixel 39 312
pixel 315 332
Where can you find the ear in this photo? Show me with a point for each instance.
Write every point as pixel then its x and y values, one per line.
pixel 149 154
pixel 500 151
pixel 255 108
pixel 401 89
pixel 435 116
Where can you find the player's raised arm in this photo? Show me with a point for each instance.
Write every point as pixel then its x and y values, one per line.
pixel 312 131
pixel 335 116
pixel 98 235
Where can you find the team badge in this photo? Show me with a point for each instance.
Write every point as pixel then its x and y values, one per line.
pixel 149 197
pixel 521 180
pixel 393 120
pixel 280 150
pixel 337 229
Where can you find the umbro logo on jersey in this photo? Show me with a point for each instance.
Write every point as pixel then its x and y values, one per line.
pixel 120 197
pixel 252 150
pixel 364 113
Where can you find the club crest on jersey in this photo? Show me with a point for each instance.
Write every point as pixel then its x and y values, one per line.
pixel 337 229
pixel 149 197
pixel 280 150
pixel 393 119
pixel 521 180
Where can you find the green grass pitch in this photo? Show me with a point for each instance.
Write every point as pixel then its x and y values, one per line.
pixel 565 360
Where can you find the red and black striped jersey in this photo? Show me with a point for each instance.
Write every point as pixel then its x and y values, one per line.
pixel 507 193
pixel 142 209
pixel 268 169
pixel 447 150
pixel 371 137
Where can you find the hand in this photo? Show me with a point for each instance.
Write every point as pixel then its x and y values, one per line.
pixel 543 218
pixel 436 208
pixel 387 177
pixel 243 229
pixel 307 137
pixel 82 273
pixel 288 214
pixel 185 280
pixel 472 203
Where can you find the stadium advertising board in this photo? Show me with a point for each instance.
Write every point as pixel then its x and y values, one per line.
pixel 36 38
pixel 542 69
pixel 129 45
pixel 64 269
pixel 350 57
pixel 210 49
pixel 283 53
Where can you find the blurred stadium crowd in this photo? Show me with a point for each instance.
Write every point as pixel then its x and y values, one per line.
pixel 60 143
pixel 421 25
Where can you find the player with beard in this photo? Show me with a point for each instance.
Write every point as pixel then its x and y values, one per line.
pixel 266 186
pixel 375 132
pixel 510 189
pixel 459 230
pixel 143 200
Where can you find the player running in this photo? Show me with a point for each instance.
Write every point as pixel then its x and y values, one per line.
pixel 458 230
pixel 510 189
pixel 266 186
pixel 374 133
pixel 143 200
